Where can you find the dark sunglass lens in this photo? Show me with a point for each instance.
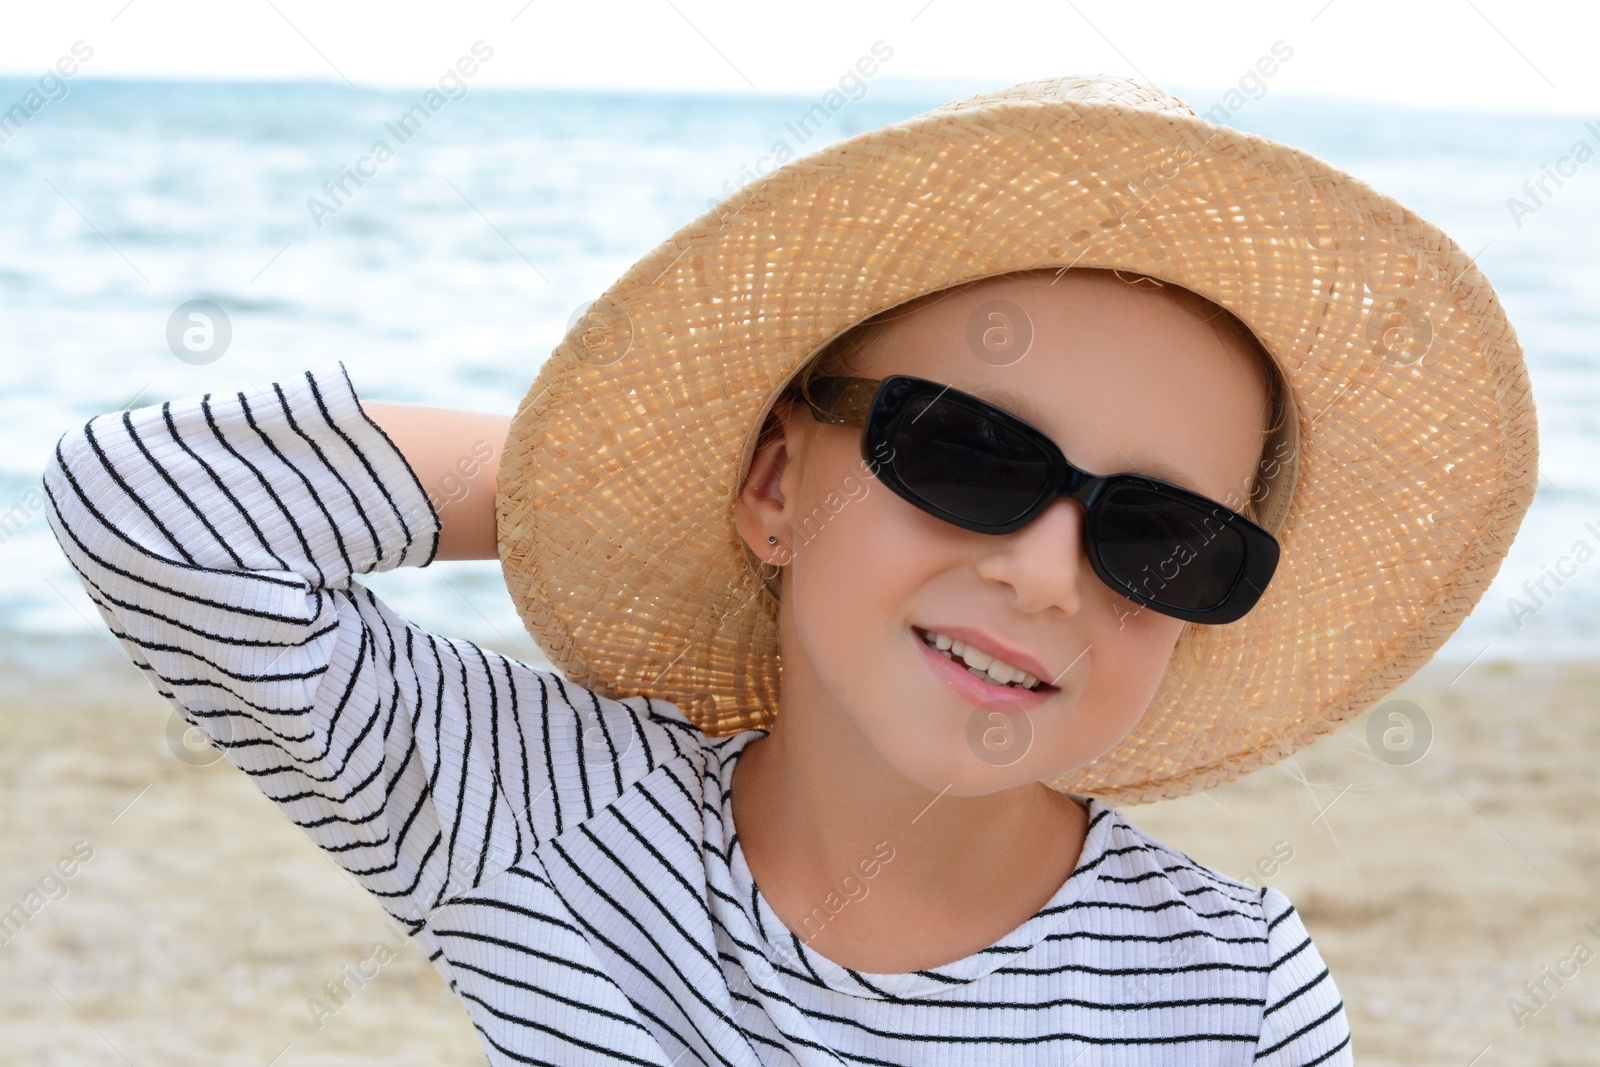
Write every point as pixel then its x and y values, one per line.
pixel 1171 551
pixel 967 464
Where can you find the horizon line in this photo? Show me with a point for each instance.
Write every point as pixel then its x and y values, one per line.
pixel 898 87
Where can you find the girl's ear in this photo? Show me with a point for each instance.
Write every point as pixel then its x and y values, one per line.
pixel 766 472
pixel 760 511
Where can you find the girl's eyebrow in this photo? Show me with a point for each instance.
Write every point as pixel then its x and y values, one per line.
pixel 1019 405
pixel 1024 408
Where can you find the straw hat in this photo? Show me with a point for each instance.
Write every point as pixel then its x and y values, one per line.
pixel 1413 448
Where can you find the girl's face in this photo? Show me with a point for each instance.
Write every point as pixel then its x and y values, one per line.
pixel 1121 380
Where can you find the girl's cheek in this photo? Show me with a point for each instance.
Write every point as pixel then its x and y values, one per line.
pixel 1116 615
pixel 1145 656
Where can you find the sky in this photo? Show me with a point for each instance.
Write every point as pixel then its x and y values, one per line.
pixel 1459 55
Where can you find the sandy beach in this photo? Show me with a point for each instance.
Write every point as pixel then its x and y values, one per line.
pixel 198 925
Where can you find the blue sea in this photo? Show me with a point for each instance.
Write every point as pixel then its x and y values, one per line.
pixel 451 272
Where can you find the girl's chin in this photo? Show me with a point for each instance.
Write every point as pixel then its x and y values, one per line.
pixel 949 766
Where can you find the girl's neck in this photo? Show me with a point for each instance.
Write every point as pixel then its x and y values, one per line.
pixel 930 877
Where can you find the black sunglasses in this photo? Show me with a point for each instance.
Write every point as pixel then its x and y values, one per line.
pixel 961 459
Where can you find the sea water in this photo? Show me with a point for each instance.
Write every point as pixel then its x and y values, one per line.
pixel 450 271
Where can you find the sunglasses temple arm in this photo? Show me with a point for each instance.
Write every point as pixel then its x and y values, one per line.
pixel 846 401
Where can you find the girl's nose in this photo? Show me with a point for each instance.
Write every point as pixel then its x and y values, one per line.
pixel 1044 561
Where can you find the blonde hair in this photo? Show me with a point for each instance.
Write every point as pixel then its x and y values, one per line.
pixel 846 354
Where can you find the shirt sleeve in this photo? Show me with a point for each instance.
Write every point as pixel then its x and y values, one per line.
pixel 1304 1021
pixel 219 536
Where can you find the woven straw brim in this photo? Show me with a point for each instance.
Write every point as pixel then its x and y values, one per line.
pixel 1417 444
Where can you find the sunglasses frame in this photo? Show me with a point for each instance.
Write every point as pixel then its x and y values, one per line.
pixel 878 406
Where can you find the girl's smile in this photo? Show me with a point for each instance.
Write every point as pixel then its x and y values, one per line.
pixel 979 687
pixel 981 654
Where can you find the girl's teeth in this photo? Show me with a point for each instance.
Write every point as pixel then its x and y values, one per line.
pixel 981 666
pixel 990 676
pixel 975 658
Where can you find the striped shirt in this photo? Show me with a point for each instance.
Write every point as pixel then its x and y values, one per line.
pixel 568 861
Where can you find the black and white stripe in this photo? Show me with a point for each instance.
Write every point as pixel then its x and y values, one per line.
pixel 568 861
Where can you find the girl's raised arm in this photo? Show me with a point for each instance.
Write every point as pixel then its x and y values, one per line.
pixel 219 537
pixel 455 455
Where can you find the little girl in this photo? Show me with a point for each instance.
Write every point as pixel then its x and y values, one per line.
pixel 884 863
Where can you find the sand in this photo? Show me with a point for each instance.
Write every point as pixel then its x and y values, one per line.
pixel 202 927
